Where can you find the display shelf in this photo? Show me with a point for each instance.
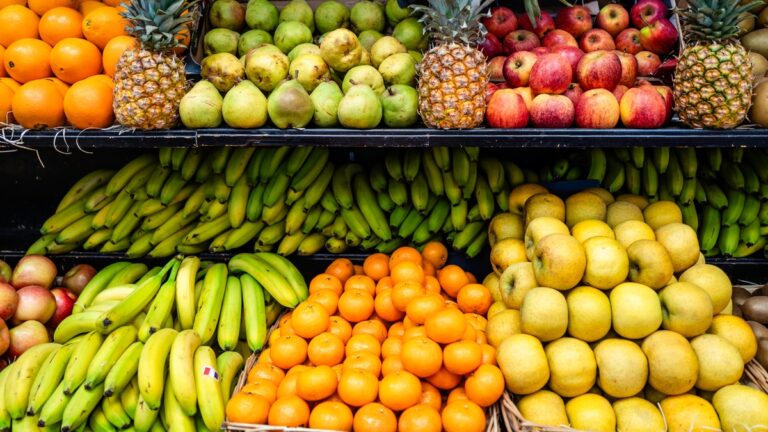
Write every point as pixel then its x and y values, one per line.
pixel 412 137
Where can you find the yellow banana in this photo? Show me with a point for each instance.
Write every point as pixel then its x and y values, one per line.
pixel 228 364
pixel 181 370
pixel 48 378
pixel 186 303
pixel 121 178
pixel 124 369
pixel 172 413
pixel 115 413
pixel 152 366
pixel 267 276
pixel 207 383
pixel 18 384
pixel 209 304
pixel 228 331
pixel 77 367
pixel 84 186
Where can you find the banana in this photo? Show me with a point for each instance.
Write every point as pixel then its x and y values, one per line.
pixel 38 247
pixel 614 178
pixel 271 235
pixel 296 159
pixel 78 365
pixel 473 215
pixel 195 201
pixel 460 166
pixel 336 245
pixel 750 210
pixel 186 303
pixel 255 205
pixel 731 175
pixel 65 217
pixel 129 398
pixel 271 161
pixel 352 239
pixel 763 213
pixel 75 324
pixel 709 228
pixel 289 272
pixel 494 173
pixel 171 188
pixel 411 164
pixel 115 344
pixel 204 171
pixel 140 247
pixel 420 192
pixel 229 364
pixel 421 234
pixel 758 161
pixel 98 421
pixel 714 158
pixel 464 237
pixel 207 383
pixel 473 153
pixel 314 193
pixel 311 244
pixel 172 413
pixel 477 245
pixel 274 214
pixel 341 184
pixel 728 240
pixel 394 166
pixel 5 417
pixel 155 183
pixel 688 193
pixel 750 234
pixel 637 155
pixel 127 224
pixel 145 417
pixel 633 178
pixel 76 232
pixel 690 216
pixel 156 220
pixel 80 406
pixel 459 215
pixel 442 156
pixel 469 187
pixel 54 248
pixel 238 237
pixel 172 226
pixel 115 413
pixel 290 243
pixel 688 161
pixel 210 301
pixel 111 247
pixel 18 383
pixel 736 154
pixel 97 199
pixel 410 223
pixel 277 188
pixel 221 189
pixel 180 367
pixel 178 154
pixel 229 321
pixel 650 179
pixel 743 251
pixel 100 218
pixel 237 164
pixel 149 207
pixel 206 231
pixel 486 201
pixel 254 313
pixel 597 165
pixel 48 378
pixel 356 222
pixel 731 214
pixel 267 276
pixel 384 202
pixel 119 209
pixel 152 366
pixel 122 372
pixel 763 191
pixel 370 242
pixel 192 161
pixel 296 216
pixel 53 409
pixel 158 311
pixel 311 169
pixel 661 156
pixel 219 157
pixel 674 177
pixel 398 192
pixel 715 196
pixel 85 186
pixel 121 178
pixel 751 179
pixel 378 177
pixel 328 202
pixel 368 205
pixel 438 215
pixel 560 168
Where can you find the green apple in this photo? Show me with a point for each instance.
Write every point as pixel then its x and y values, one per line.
pixel 607 263
pixel 506 252
pixel 515 283
pixel 572 366
pixel 544 204
pixel 649 263
pixel 631 231
pixel 622 367
pixel 523 362
pixel 736 331
pixel 741 407
pixel 582 206
pixel 714 281
pixel 544 314
pixel 559 261
pixel 682 243
pixel 591 412
pixel 621 211
pixel 686 309
pixel 662 213
pixel 589 228
pixel 505 225
pixel 719 362
pixel 635 310
pixel 637 415
pixel 543 408
pixel 538 229
pixel 520 194
pixel 670 377
pixel 589 313
pixel 688 412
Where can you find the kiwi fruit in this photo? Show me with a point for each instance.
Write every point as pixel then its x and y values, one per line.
pixel 756 41
pixel 740 295
pixel 756 309
pixel 760 331
pixel 762 352
pixel 758 112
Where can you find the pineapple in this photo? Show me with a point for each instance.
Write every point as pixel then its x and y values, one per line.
pixel 713 78
pixel 150 80
pixel 453 75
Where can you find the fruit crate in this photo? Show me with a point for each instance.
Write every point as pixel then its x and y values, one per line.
pixel 754 375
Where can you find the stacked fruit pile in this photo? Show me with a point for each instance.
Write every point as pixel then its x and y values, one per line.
pixel 137 350
pixel 562 70
pixel 399 345
pixel 634 283
pixel 355 79
pixel 59 58
pixel 291 200
pixel 752 306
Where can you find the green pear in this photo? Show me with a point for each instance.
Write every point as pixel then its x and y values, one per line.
pixel 289 106
pixel 360 108
pixel 410 32
pixel 417 55
pixel 398 68
pixel 385 47
pixel 395 13
pixel 252 39
pixel 266 67
pixel 369 37
pixel 368 15
pixel 401 106
pixel 261 15
pixel 365 58
pixel 298 10
pixel 223 70
pixel 245 106
pixel 290 34
pixel 741 407
pixel 309 70
pixel 331 15
pixel 220 40
pixel 325 99
pixel 301 49
pixel 363 75
pixel 201 106
pixel 228 14
pixel 341 50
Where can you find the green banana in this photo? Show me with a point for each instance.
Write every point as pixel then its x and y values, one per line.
pixel 229 321
pixel 155 183
pixel 311 244
pixel 486 201
pixel 341 184
pixel 121 178
pixel 219 157
pixel 515 175
pixel 750 234
pixel 369 207
pixel 728 240
pixel 355 221
pixel 442 157
pixel 460 166
pixel 597 165
pixel 252 172
pixel 272 161
pixel 206 231
pixel 111 349
pixel 420 192
pixel 650 179
pixel 210 302
pixel 477 245
pixel 171 188
pixel 195 201
pixel 763 213
pixel 237 164
pixel 254 312
pixel 296 216
pixel 277 188
pixel 255 205
pixel 311 169
pixel 410 223
pixel 398 192
pixel 97 199
pixel 709 228
pixel 238 237
pixel 100 219
pixel 674 177
pixel 411 164
pixel 83 402
pixel 690 216
pixel 614 178
pixel 178 154
pixel 378 177
pixel 743 251
pixel 714 158
pixel 387 247
pixel 661 156
pixel 152 366
pixel 229 364
pixel 758 161
pixel 731 214
pixel 274 214
pixel 221 189
pixel 122 372
pixel 731 175
pixel 267 276
pixel 385 202
pixel 750 210
pixel 296 159
pixel 290 243
pixel 469 188
pixel 77 231
pixel 736 154
pixel 751 179
pixel 688 193
pixel 204 171
pixel 206 383
pixel 688 161
pixel 158 310
pixel 48 378
pixel 83 187
pixel 459 215
pixel 715 196
pixel 464 237
pixel 314 193
pixel 637 155
pixel 394 166
pixel 328 202
pixel 64 217
pixel 119 209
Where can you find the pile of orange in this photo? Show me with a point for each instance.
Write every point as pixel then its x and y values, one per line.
pixel 49 51
pixel 395 344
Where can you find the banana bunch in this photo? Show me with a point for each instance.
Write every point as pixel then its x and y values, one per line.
pixel 723 194
pixel 286 199
pixel 139 347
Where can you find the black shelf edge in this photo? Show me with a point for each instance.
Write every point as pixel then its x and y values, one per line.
pixel 412 137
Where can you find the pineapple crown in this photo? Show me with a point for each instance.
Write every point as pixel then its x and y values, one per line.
pixel 713 20
pixel 157 23
pixel 454 20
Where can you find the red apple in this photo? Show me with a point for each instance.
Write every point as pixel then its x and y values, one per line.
pixel 35 303
pixel 572 54
pixel 619 91
pixel 576 20
pixel 596 39
pixel 502 21
pixel 629 41
pixel 659 37
pixel 520 40
pixel 65 300
pixel 628 68
pixel 669 101
pixel 491 46
pixel 517 68
pixel 557 38
pixel 551 74
pixel 506 109
pixel 613 18
pixel 5 271
pixel 78 277
pixel 490 89
pixel 496 68
pixel 574 93
pixel 597 109
pixel 542 26
pixel 646 12
pixel 647 63
pixel 34 270
pixel 9 300
pixel 540 51
pixel 642 82
pixel 599 69
pixel 527 94
pixel 5 339
pixel 643 108
pixel 501 85
pixel 26 335
pixel 552 111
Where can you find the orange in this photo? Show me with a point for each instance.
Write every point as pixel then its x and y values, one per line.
pixel 325 281
pixel 420 418
pixel 38 104
pixel 414 332
pixel 6 101
pixel 391 364
pixel 3 73
pixel 267 372
pixel 289 411
pixel 361 282
pixel 247 408
pixel 27 59
pixel 74 59
pixel 363 342
pixel 431 284
pixel 489 354
pixel 327 298
pixel 17 22
pixel 462 357
pixel 340 327
pixel 264 388
pixel 421 356
pixel 358 387
pixel 296 370
pixel 288 351
pixel 102 24
pixel 444 380
pixel 288 385
pixel 456 394
pixel 404 292
pixel 114 3
pixel 435 253
pixel 61 86
pixel 325 349
pixel 104 79
pixel 316 383
pixel 5 3
pixel 424 306
pixel 430 395
pixel 452 278
pixel 285 319
pixel 385 308
pixel 404 253
pixel 474 298
pixel 384 283
pixel 429 269
pixel 60 23
pixel 463 416
pixel 310 319
pixel 114 50
pixel 470 334
pixel 407 271
pixel 40 7
pixel 374 417
pixel 286 330
pixel 392 346
pixel 477 321
pixel 445 326
pixel 10 82
pixel 372 327
pixel 88 104
pixel 376 266
pixel 358 269
pixel 342 268
pixel 399 390
pixel 396 329
pixel 485 386
pixel 363 360
pixel 86 6
pixel 356 305
pixel 331 415
pixel 470 277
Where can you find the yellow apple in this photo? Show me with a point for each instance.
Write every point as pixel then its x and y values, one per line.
pixel 621 211
pixel 719 362
pixel 638 415
pixel 505 225
pixel 523 362
pixel 572 367
pixel 736 331
pixel 741 408
pixel 515 283
pixel 543 204
pixel 559 261
pixel 670 377
pixel 491 282
pixel 638 200
pixel 713 280
pixel 502 325
pixel 544 408
pixel 631 231
pixel 603 193
pixel 649 263
pixel 544 314
pixel 582 206
pixel 635 310
pixel 622 367
pixel 591 412
pixel 540 228
pixel 589 228
pixel 507 252
pixel 662 213
pixel 681 242
pixel 607 263
pixel 686 413
pixel 520 194
pixel 686 308
pixel 589 313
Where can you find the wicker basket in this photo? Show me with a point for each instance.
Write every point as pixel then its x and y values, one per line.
pixel 513 420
